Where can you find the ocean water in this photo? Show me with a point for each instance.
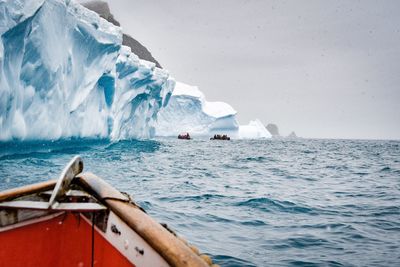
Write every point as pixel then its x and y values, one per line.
pixel 247 203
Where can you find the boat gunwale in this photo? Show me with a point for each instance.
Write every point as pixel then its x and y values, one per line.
pixel 27 190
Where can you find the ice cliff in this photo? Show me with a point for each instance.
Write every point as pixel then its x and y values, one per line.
pixel 65 73
pixel 188 110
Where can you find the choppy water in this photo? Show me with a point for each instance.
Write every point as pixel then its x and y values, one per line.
pixel 247 203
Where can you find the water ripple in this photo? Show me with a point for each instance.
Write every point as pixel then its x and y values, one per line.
pixel 247 202
pixel 271 205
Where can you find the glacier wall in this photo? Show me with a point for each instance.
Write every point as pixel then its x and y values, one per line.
pixel 65 73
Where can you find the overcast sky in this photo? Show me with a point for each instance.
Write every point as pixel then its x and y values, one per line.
pixel 327 69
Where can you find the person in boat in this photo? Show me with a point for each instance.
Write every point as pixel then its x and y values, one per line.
pixel 220 137
pixel 184 136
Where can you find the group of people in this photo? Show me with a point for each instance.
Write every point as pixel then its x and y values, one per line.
pixel 216 136
pixel 220 137
pixel 184 136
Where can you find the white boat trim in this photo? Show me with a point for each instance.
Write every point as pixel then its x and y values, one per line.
pixel 36 205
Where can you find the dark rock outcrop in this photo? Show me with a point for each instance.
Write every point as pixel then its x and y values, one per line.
pixel 273 129
pixel 139 49
pixel 102 8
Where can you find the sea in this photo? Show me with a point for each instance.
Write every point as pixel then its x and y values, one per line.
pixel 271 202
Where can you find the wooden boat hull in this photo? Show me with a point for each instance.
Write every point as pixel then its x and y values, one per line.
pixel 121 234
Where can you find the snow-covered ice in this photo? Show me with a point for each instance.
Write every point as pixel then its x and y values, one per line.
pixel 255 129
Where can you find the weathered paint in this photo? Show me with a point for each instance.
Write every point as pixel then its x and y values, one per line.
pixel 64 240
pixel 130 244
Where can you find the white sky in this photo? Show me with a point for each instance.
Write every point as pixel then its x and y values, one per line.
pixel 327 69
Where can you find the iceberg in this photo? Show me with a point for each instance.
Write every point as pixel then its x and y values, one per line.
pixel 253 130
pixel 65 73
pixel 189 111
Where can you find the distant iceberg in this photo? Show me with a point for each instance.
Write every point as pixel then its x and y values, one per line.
pixel 65 73
pixel 255 129
pixel 189 111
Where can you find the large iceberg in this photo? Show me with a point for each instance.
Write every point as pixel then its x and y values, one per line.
pixel 189 111
pixel 65 73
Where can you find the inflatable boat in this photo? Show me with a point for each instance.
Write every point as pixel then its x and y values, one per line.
pixel 220 137
pixel 185 136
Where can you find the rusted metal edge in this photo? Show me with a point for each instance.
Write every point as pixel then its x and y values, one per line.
pixel 26 190
pixel 173 250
